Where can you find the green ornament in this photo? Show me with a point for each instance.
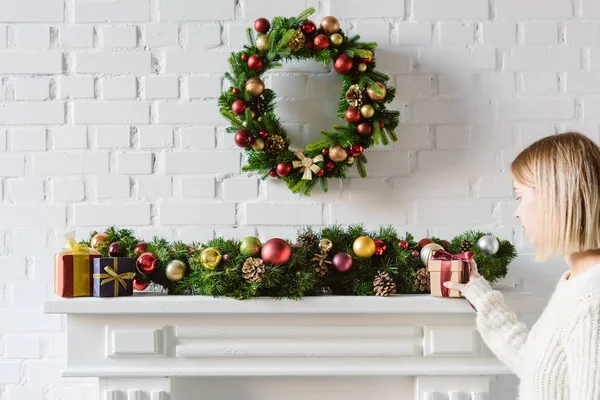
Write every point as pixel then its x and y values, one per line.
pixel 250 246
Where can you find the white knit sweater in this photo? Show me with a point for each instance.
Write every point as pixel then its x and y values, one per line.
pixel 559 359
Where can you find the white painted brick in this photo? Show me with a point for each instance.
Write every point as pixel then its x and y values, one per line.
pixel 449 111
pixel 161 87
pixel 12 165
pixel 196 187
pixel 201 163
pixel 451 137
pixel 236 34
pixel 289 85
pixel 583 82
pixel 121 88
pixel 448 213
pixel 155 137
pixel 31 63
pixel 12 268
pixel 591 109
pixel 361 9
pixel 456 33
pixel 76 87
pixel 3 140
pixel 494 186
pixel 113 136
pixel 44 370
pixel 499 34
pixel 32 88
pixel 578 32
pixel 36 11
pixel 382 214
pixel 195 10
pixel 189 113
pixel 70 163
pixel 533 9
pixel 198 138
pixel 590 9
pixel 30 242
pixel 387 163
pixel 112 214
pixel 435 185
pixel 541 82
pixel 135 163
pixel 121 11
pixel 33 37
pixel 25 393
pixel 448 60
pixel 536 109
pixel 119 37
pixel 113 187
pixel 413 137
pixel 283 214
pixel 456 84
pixel 206 87
pixel 203 36
pixel 76 36
pixel 154 187
pixel 32 113
pixel 595 58
pixel 413 33
pixel 30 294
pixel 392 59
pixel 453 162
pixel 68 190
pixel 114 63
pixel 26 191
pixel 540 33
pixel 410 86
pixel 10 371
pixel 245 188
pixel 33 217
pixel 373 31
pixel 196 61
pixel 70 137
pixel 542 58
pixel 28 139
pixel 111 113
pixel 3 36
pixel 498 83
pixel 159 35
pixel 196 214
pixel 458 9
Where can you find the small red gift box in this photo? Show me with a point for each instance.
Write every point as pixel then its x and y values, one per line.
pixel 443 267
pixel 73 268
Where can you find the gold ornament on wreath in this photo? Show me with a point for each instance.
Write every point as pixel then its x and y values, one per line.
pixel 320 258
pixel 250 107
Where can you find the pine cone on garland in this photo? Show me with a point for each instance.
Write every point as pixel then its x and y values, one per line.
pixel 308 240
pixel 258 105
pixel 422 281
pixel 253 269
pixel 384 285
pixel 274 144
pixel 466 246
pixel 354 96
pixel 297 41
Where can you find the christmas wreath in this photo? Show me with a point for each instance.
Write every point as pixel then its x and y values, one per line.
pixel 249 106
pixel 333 261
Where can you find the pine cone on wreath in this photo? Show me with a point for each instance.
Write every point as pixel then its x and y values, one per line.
pixel 274 144
pixel 422 281
pixel 253 269
pixel 308 240
pixel 297 41
pixel 384 285
pixel 258 105
pixel 355 95
pixel 466 246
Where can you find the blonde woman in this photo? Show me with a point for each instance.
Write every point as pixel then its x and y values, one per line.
pixel 557 183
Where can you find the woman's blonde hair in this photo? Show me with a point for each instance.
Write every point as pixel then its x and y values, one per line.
pixel 565 171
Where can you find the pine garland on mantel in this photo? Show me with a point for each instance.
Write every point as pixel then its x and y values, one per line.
pixel 228 267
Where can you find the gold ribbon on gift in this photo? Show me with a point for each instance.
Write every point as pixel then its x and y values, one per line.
pixel 308 165
pixel 113 275
pixel 74 247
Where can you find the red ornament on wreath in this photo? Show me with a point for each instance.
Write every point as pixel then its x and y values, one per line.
pixel 262 25
pixel 243 138
pixel 329 166
pixel 320 172
pixel 263 134
pixel 114 250
pixel 424 242
pixel 379 247
pixel 235 91
pixel 321 42
pixel 255 62
pixel 146 263
pixel 140 248
pixel 139 285
pixel 283 169
pixel 325 151
pixel 381 125
pixel 276 251
pixel 356 150
pixel 244 57
pixel 239 107
pixel 343 64
pixel 342 261
pixel 308 27
pixel 364 128
pixel 352 115
pixel 403 244
pixel 273 173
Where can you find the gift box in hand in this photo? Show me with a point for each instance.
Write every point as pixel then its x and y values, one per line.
pixel 443 267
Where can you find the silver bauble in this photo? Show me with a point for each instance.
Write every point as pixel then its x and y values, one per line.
pixel 488 244
pixel 175 270
pixel 427 252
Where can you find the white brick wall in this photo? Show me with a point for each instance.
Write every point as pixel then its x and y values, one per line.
pixel 108 115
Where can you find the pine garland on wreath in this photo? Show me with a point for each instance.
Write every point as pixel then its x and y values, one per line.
pixel 334 261
pixel 249 106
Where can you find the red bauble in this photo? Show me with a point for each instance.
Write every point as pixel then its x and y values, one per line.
pixel 283 169
pixel 445 244
pixel 367 59
pixel 243 138
pixel 320 172
pixel 239 107
pixel 114 250
pixel 424 242
pixel 276 251
pixel 255 62
pixel 381 125
pixel 262 25
pixel 379 247
pixel 140 248
pixel 403 244
pixel 139 285
pixel 356 150
pixel 342 262
pixel 325 151
pixel 329 166
pixel 343 64
pixel 364 128
pixel 273 173
pixel 352 115
pixel 321 42
pixel 263 134
pixel 415 253
pixel 146 263
pixel 244 57
pixel 308 27
pixel 310 45
pixel 235 91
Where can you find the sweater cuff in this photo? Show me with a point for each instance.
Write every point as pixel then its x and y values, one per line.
pixel 476 291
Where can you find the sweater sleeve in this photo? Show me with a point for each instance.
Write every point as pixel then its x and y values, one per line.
pixel 583 353
pixel 498 326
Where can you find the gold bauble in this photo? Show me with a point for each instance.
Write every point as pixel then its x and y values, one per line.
pixel 258 144
pixel 427 251
pixel 367 111
pixel 262 42
pixel 350 160
pixel 253 114
pixel 210 258
pixel 330 25
pixel 260 119
pixel 325 245
pixel 337 153
pixel 244 124
pixel 373 95
pixel 255 86
pixel 175 270
pixel 362 67
pixel 364 247
pixel 99 240
pixel 336 39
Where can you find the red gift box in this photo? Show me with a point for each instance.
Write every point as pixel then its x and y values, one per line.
pixel 73 268
pixel 443 267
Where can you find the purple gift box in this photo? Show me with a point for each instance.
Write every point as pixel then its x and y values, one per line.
pixel 113 276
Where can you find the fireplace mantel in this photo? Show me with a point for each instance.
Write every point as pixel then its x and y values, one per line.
pixel 149 346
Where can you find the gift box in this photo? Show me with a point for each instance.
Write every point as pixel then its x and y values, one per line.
pixel 113 276
pixel 443 267
pixel 73 269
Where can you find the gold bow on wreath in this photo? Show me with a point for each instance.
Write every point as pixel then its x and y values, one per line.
pixel 307 165
pixel 112 275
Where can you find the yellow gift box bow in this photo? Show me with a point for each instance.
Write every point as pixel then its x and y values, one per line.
pixel 112 275
pixel 307 164
pixel 73 247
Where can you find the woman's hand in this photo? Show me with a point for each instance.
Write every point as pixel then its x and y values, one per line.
pixel 474 274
